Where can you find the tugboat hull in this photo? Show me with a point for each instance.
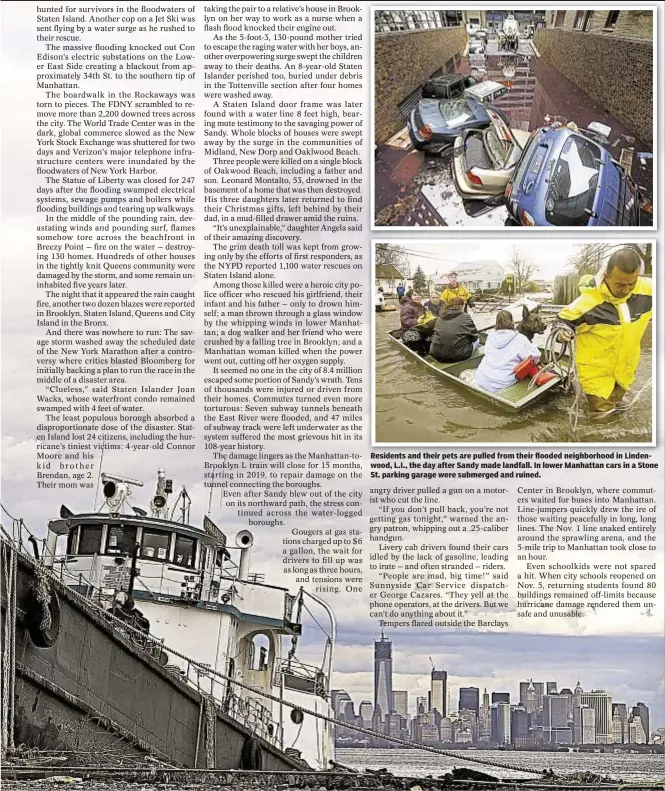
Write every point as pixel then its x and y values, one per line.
pixel 92 690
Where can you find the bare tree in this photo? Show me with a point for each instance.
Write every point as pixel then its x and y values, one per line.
pixel 592 256
pixel 522 270
pixel 392 255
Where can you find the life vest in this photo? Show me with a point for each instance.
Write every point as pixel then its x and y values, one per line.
pixel 609 331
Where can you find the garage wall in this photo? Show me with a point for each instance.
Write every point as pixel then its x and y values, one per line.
pixel 403 61
pixel 615 72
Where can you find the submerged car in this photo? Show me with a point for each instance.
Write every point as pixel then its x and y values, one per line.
pixel 565 178
pixel 447 86
pixel 484 159
pixel 434 124
pixel 486 91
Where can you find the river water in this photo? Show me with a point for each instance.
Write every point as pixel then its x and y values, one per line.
pixel 413 405
pixel 418 763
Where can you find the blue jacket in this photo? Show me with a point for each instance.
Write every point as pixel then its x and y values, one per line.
pixel 503 351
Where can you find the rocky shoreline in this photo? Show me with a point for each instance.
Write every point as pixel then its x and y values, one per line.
pixel 160 778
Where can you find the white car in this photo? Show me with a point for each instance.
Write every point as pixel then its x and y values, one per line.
pixel 484 159
pixel 379 300
pixel 486 91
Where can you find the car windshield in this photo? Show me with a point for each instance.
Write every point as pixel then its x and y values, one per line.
pixel 455 112
pixel 572 189
pixel 499 150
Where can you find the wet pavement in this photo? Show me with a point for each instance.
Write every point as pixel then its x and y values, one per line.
pixel 414 188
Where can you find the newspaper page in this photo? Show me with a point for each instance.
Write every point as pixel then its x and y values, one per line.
pixel 315 460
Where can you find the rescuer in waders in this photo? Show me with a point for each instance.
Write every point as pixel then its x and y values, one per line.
pixel 609 322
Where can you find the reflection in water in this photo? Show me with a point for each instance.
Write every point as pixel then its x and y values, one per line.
pixel 414 405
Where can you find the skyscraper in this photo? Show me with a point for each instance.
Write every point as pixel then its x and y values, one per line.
pixel 339 699
pixel 469 698
pixel 439 692
pixel 620 723
pixel 539 689
pixel 500 697
pixel 528 696
pixel 555 719
pixel 383 677
pixel 519 726
pixel 401 702
pixel 502 733
pixel 587 726
pixel 601 703
pixel 365 711
pixel 642 710
pixel 568 695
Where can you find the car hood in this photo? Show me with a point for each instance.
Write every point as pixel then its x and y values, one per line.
pixel 429 112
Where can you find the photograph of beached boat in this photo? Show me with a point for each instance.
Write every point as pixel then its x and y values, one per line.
pixel 513 343
pixel 533 118
pixel 148 632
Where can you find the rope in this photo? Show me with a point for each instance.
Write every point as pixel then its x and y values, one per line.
pixel 211 729
pixel 43 596
pixel 317 715
pixel 570 377
pixel 9 650
pixel 198 732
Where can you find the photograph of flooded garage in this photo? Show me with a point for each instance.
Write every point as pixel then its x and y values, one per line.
pixel 489 118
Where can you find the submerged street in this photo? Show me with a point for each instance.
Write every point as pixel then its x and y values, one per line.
pixel 414 188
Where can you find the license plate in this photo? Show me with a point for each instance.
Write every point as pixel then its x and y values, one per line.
pixel 537 164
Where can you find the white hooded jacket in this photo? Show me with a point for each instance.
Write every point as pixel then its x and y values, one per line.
pixel 503 351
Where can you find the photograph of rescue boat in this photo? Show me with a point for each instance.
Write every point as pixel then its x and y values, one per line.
pixel 511 343
pixel 537 122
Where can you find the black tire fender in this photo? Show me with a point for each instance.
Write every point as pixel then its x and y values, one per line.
pixel 43 636
pixel 251 756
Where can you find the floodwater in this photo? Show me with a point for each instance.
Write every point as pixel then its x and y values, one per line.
pixel 413 405
pixel 418 763
pixel 413 188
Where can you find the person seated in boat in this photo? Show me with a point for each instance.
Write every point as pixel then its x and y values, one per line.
pixel 608 323
pixel 417 324
pixel 455 335
pixel 434 305
pixel 455 290
pixel 505 349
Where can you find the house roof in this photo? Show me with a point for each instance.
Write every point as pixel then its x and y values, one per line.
pixel 388 272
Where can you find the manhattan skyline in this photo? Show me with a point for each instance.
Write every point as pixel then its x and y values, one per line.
pixel 627 667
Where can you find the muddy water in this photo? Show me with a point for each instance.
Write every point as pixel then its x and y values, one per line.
pixel 413 405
